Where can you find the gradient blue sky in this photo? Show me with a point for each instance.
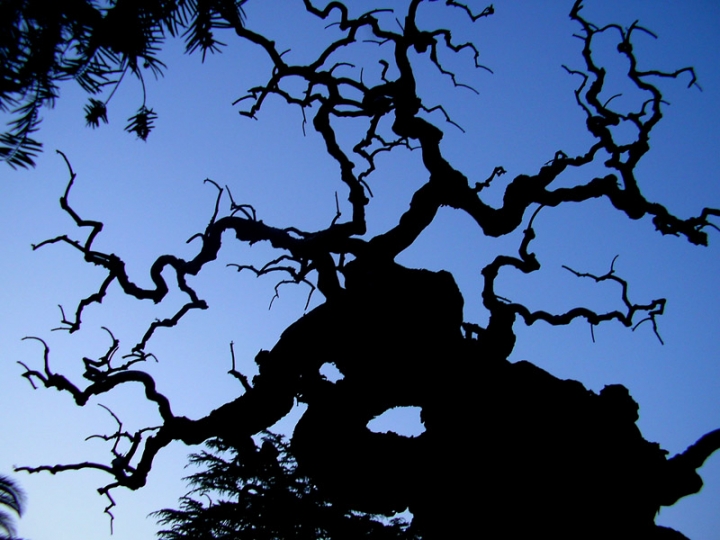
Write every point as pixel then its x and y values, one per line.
pixel 151 198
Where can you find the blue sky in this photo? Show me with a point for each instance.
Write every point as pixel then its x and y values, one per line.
pixel 151 198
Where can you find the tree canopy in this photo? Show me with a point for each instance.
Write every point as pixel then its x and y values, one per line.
pixel 94 45
pixel 400 335
pixel 259 490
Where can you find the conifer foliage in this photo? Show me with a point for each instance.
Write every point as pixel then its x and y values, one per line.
pixel 95 44
pixel 263 496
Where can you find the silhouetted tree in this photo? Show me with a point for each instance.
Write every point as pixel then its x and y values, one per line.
pixel 263 496
pixel 565 462
pixel 11 497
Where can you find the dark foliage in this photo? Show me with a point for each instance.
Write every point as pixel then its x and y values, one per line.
pixel 12 498
pixel 95 111
pixel 262 495
pixel 95 44
pixel 141 122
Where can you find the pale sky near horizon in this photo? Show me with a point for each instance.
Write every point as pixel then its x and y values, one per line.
pixel 151 198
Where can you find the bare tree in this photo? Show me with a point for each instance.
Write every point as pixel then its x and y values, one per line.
pixel 569 462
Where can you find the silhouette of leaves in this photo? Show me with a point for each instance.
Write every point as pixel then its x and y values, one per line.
pixel 12 497
pixel 95 111
pixel 261 493
pixel 94 44
pixel 141 123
